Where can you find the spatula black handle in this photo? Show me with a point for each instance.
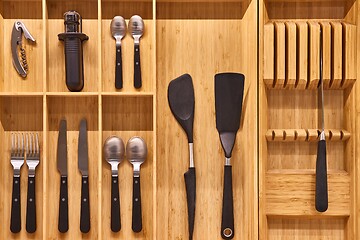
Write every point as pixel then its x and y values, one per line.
pixel 190 183
pixel 15 221
pixel 321 191
pixel 137 67
pixel 85 206
pixel 63 224
pixel 115 205
pixel 118 68
pixel 227 224
pixel 31 206
pixel 136 214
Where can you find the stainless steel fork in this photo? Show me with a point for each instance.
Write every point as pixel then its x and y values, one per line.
pixel 32 160
pixel 17 160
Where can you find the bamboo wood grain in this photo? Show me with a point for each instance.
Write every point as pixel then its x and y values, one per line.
pixel 302 57
pixel 269 47
pixel 280 52
pixel 349 55
pixel 336 42
pixel 314 52
pixel 290 58
pixel 326 31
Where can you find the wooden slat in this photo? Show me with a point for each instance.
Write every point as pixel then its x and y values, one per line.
pixel 302 56
pixel 336 46
pixel 294 195
pixel 280 67
pixel 349 55
pixel 291 57
pixel 314 55
pixel 269 47
pixel 326 31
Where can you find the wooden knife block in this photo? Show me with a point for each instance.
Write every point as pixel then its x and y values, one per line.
pixel 274 155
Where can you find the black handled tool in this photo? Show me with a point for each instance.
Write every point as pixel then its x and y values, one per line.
pixel 229 91
pixel 73 38
pixel 182 104
pixel 321 191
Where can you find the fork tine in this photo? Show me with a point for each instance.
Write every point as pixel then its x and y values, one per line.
pixel 37 144
pixel 12 143
pixel 18 144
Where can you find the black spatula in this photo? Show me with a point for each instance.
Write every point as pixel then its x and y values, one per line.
pixel 182 101
pixel 229 91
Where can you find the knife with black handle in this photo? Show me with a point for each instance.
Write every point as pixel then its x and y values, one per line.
pixel 84 169
pixel 63 222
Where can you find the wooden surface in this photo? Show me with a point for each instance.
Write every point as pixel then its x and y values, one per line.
pixel 202 49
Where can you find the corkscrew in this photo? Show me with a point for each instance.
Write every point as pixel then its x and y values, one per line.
pixel 19 60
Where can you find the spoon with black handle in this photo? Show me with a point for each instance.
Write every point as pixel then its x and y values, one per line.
pixel 136 152
pixel 114 150
pixel 118 31
pixel 136 28
pixel 182 104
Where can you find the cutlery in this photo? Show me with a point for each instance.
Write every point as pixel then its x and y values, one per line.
pixel 63 221
pixel 181 100
pixel 229 91
pixel 136 152
pixel 321 192
pixel 114 154
pixel 118 31
pixel 136 28
pixel 84 169
pixel 32 160
pixel 17 154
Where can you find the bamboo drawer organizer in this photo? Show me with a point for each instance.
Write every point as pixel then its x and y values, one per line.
pixel 288 118
pixel 274 155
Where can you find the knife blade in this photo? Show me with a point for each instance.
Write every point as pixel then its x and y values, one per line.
pixel 321 191
pixel 63 222
pixel 84 169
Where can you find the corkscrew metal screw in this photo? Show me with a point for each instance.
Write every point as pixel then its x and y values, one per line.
pixel 19 60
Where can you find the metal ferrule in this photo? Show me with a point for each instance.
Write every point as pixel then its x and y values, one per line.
pixel 191 155
pixel 322 135
pixel 17 163
pixel 136 169
pixel 137 40
pixel 114 169
pixel 227 161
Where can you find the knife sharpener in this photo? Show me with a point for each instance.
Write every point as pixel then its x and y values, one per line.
pixel 73 39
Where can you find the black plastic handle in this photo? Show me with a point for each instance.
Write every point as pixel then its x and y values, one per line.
pixel 31 206
pixel 63 224
pixel 74 64
pixel 321 191
pixel 137 66
pixel 115 205
pixel 136 214
pixel 190 183
pixel 85 206
pixel 118 68
pixel 15 221
pixel 227 223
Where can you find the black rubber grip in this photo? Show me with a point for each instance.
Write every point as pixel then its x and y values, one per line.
pixel 136 214
pixel 190 183
pixel 74 64
pixel 227 223
pixel 118 68
pixel 15 221
pixel 115 205
pixel 321 191
pixel 137 67
pixel 85 205
pixel 31 206
pixel 63 224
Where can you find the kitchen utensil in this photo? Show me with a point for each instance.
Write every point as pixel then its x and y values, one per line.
pixel 229 90
pixel 83 166
pixel 63 221
pixel 182 103
pixel 20 65
pixel 73 39
pixel 114 150
pixel 321 192
pixel 118 31
pixel 17 154
pixel 136 28
pixel 136 152
pixel 32 160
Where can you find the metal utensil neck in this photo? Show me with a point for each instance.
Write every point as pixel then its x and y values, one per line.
pixel 227 161
pixel 191 155
pixel 136 169
pixel 114 168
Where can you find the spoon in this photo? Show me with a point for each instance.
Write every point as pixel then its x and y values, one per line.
pixel 114 153
pixel 136 27
pixel 118 31
pixel 136 152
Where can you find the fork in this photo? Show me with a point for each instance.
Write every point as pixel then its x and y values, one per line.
pixel 17 160
pixel 32 160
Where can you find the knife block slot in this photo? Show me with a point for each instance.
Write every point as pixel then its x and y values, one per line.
pixel 308 135
pixel 292 49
